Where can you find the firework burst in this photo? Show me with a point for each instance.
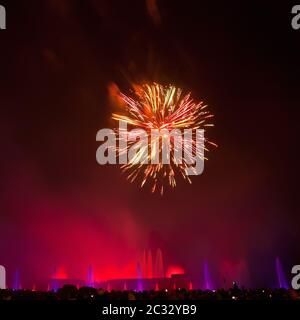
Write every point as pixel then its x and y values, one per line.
pixel 158 107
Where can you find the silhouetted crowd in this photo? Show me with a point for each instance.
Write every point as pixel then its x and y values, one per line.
pixel 70 292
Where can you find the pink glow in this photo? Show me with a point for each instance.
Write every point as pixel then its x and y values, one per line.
pixel 172 270
pixel 60 273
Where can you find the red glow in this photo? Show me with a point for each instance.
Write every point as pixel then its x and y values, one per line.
pixel 60 273
pixel 234 271
pixel 90 241
pixel 172 270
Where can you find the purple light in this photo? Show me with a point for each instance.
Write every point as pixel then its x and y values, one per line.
pixel 282 282
pixel 207 279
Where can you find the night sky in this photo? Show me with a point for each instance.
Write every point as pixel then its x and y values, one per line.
pixel 59 208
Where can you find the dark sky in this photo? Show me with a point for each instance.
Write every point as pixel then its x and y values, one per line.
pixel 58 207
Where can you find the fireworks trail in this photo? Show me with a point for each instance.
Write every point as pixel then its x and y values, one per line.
pixel 158 107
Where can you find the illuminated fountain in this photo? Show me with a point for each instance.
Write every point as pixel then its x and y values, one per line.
pixel 207 278
pixel 159 265
pixel 90 277
pixel 149 265
pixel 16 280
pixel 282 282
pixel 53 282
pixel 143 265
pixel 139 277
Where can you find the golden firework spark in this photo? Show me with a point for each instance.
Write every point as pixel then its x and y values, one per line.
pixel 157 107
